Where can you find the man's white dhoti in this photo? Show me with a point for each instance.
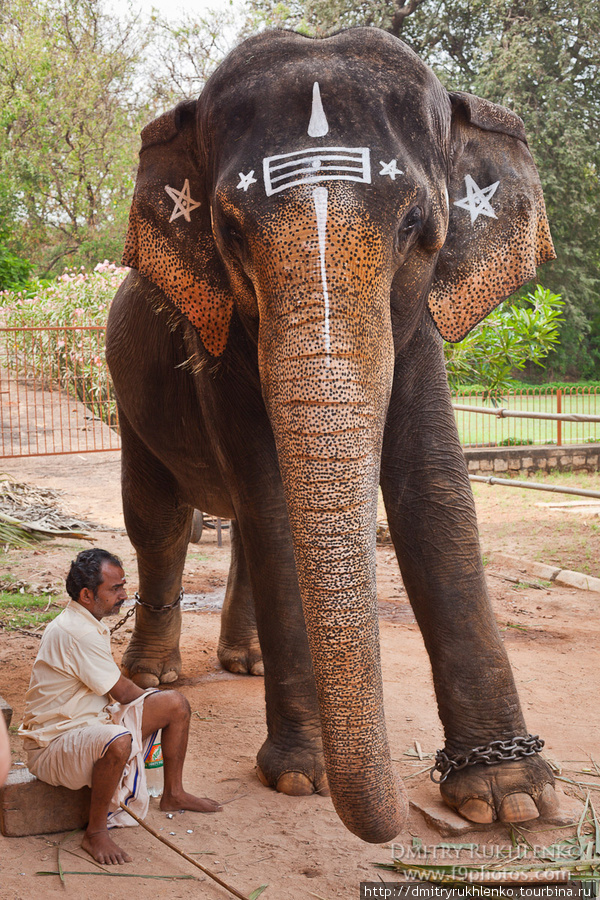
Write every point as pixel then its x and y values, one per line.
pixel 70 758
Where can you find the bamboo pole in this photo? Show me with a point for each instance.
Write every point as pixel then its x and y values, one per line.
pixel 182 853
pixel 502 413
pixel 534 486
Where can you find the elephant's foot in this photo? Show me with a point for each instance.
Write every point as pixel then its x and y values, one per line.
pixel 297 772
pixel 152 657
pixel 241 657
pixel 512 791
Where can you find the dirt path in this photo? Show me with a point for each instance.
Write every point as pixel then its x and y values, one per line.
pixel 295 845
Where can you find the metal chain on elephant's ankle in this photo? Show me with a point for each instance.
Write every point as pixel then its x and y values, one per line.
pixel 489 755
pixel 139 602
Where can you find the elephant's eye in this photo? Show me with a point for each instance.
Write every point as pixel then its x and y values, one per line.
pixel 413 220
pixel 410 227
pixel 234 237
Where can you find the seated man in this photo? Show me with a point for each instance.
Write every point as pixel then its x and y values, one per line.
pixel 75 737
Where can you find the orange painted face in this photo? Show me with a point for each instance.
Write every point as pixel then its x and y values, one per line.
pixel 311 213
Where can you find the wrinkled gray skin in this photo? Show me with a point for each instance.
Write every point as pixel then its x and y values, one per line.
pixel 275 360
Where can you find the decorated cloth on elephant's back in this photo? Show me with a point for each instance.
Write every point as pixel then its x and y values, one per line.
pixel 69 719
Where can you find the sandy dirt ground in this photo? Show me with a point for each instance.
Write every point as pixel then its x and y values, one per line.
pixel 297 846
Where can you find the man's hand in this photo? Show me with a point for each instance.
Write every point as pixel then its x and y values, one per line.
pixel 125 691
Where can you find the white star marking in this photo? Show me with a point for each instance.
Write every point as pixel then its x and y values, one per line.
pixel 390 169
pixel 246 180
pixel 477 201
pixel 183 202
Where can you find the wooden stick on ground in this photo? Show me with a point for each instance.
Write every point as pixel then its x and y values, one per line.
pixel 163 840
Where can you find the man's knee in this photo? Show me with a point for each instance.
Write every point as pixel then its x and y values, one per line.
pixel 119 750
pixel 179 706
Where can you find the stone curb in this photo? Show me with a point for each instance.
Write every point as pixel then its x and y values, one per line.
pixel 547 573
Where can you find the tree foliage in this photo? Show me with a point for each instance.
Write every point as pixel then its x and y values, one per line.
pixel 70 122
pixel 513 336
pixel 77 84
pixel 540 58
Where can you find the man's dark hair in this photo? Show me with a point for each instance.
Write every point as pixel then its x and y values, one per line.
pixel 86 570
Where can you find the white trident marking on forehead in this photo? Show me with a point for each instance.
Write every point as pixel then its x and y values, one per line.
pixel 315 164
pixel 318 125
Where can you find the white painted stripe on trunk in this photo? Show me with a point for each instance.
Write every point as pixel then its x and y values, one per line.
pixel 320 195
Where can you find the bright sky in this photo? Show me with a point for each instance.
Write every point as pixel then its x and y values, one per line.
pixel 176 8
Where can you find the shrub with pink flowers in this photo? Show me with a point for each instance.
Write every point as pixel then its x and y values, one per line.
pixel 75 298
pixel 45 334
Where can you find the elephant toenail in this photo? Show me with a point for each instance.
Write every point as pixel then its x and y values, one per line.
pixel 322 787
pixel 548 803
pixel 476 810
pixel 556 808
pixel 295 784
pixel 262 777
pixel 168 677
pixel 257 668
pixel 145 680
pixel 518 808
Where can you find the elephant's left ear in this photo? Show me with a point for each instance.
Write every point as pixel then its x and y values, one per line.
pixel 498 231
pixel 170 239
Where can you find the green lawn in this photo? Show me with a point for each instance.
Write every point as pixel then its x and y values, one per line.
pixel 25 611
pixel 475 428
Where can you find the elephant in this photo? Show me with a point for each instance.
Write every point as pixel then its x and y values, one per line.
pixel 301 239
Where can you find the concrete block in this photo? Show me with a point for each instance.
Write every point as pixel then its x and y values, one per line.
pixel 500 465
pixel 542 463
pixel 473 465
pixel 6 711
pixel 449 823
pixel 485 465
pixel 507 559
pixel 578 580
pixel 579 460
pixel 528 462
pixel 29 806
pixel 514 464
pixel 552 462
pixel 526 566
pixel 592 460
pixel 444 820
pixel 566 460
pixel 541 570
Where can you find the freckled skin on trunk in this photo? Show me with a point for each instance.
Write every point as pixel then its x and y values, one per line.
pixel 327 408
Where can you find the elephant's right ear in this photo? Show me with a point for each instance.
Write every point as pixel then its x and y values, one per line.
pixel 169 239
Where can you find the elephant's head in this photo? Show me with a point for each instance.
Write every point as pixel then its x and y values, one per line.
pixel 335 194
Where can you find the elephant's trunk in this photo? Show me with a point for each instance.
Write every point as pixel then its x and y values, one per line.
pixel 327 405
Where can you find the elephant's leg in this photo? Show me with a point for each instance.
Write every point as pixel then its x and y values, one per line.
pixel 239 649
pixel 433 525
pixel 159 529
pixel 291 758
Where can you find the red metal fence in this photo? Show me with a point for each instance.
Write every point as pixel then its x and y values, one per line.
pixel 480 430
pixel 56 395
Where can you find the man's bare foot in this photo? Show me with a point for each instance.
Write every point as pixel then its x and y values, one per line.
pixel 103 849
pixel 171 802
